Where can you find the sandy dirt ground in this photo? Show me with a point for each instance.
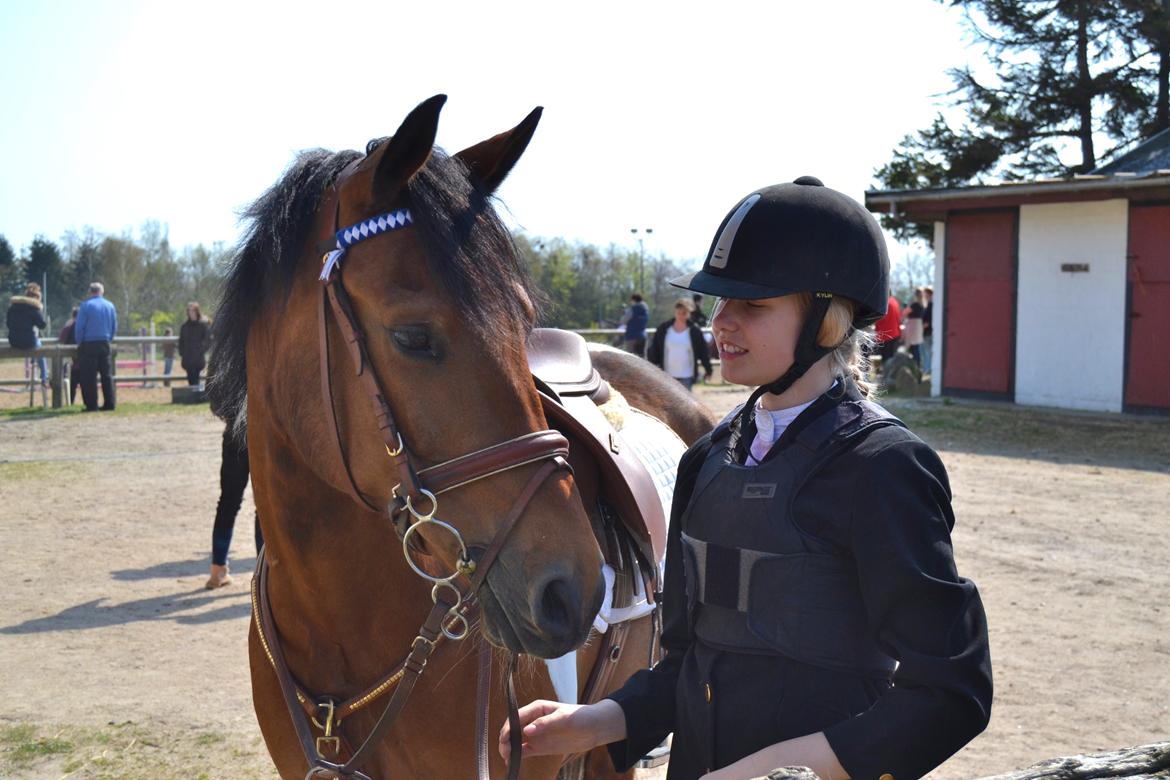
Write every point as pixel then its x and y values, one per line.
pixel 110 645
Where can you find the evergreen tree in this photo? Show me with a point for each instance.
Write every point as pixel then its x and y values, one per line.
pixel 1066 74
pixel 9 272
pixel 45 267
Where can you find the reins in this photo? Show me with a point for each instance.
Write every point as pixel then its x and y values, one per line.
pixel 452 614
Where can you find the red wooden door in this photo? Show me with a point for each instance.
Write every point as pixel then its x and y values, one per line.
pixel 1147 375
pixel 980 301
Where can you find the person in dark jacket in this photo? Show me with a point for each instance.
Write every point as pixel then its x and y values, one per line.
pixel 194 341
pixel 678 346
pixel 68 335
pixel 635 319
pixel 813 614
pixel 26 316
pixel 698 316
pixel 233 479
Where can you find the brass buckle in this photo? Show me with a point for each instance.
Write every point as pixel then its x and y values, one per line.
pixel 327 739
pixel 394 453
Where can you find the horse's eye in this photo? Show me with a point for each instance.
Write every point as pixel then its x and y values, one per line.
pixel 413 339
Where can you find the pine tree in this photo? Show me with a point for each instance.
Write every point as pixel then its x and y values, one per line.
pixel 1065 75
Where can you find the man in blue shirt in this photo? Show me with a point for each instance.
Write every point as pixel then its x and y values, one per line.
pixel 636 318
pixel 97 323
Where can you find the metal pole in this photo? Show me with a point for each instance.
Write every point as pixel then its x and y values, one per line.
pixel 641 268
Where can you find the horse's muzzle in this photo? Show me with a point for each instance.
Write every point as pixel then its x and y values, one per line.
pixel 551 618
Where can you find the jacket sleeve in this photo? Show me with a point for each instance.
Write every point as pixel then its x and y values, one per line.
pixel 40 322
pixel 699 346
pixel 648 698
pixel 657 346
pixel 920 612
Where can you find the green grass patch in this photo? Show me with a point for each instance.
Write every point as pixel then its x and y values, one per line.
pixel 1007 429
pixel 23 471
pixel 128 751
pixel 135 409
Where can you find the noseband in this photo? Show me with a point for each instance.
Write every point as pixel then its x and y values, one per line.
pixel 413 503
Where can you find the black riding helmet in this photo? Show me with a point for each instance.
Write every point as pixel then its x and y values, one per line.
pixel 793 238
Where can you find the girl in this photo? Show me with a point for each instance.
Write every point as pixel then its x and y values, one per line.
pixel 813 615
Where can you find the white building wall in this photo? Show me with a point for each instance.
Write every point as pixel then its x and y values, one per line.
pixel 937 324
pixel 1070 327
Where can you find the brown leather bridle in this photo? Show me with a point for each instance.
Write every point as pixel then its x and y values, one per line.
pixel 449 616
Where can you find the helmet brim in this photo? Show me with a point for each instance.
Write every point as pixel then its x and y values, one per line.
pixel 723 287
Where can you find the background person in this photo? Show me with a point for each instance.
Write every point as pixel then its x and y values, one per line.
pixel 888 330
pixel 194 341
pixel 68 335
pixel 25 318
pixel 168 350
pixel 97 324
pixel 678 346
pixel 912 327
pixel 233 479
pixel 812 612
pixel 697 316
pixel 928 330
pixel 636 318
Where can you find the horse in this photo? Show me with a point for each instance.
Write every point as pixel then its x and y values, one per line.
pixel 371 349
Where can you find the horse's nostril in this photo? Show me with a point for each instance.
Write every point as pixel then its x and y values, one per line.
pixel 559 604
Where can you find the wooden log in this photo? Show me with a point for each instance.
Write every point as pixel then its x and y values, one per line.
pixel 791 773
pixel 1144 762
pixel 1135 763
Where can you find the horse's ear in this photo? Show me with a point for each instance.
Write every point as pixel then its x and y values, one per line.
pixel 492 160
pixel 408 149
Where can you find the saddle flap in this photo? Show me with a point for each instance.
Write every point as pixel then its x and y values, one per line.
pixel 625 481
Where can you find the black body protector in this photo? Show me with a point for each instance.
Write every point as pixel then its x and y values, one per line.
pixel 756 582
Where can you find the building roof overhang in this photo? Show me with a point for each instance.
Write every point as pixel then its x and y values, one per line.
pixel 934 205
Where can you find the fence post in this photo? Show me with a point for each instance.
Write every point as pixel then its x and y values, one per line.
pixel 57 375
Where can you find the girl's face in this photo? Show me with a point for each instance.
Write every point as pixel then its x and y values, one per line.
pixel 191 315
pixel 756 339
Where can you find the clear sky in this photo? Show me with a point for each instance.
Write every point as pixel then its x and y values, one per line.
pixel 657 114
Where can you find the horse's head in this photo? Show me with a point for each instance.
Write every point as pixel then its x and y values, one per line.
pixel 445 310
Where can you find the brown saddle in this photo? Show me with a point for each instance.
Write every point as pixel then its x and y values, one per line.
pixel 571 390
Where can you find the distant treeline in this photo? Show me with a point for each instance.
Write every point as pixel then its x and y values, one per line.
pixel 145 278
pixel 150 281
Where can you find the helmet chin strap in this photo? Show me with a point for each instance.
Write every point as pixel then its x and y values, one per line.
pixel 807 353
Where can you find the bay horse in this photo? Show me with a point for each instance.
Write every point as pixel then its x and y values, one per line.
pixel 346 392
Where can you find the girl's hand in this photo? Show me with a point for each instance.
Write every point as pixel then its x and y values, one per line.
pixel 553 728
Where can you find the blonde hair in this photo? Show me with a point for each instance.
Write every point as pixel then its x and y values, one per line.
pixel 851 357
pixel 33 290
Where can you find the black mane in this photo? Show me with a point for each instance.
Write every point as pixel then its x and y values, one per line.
pixel 467 246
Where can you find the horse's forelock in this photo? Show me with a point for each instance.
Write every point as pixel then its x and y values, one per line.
pixel 467 247
pixel 470 250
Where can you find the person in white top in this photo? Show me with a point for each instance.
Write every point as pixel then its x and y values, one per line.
pixel 912 325
pixel 678 346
